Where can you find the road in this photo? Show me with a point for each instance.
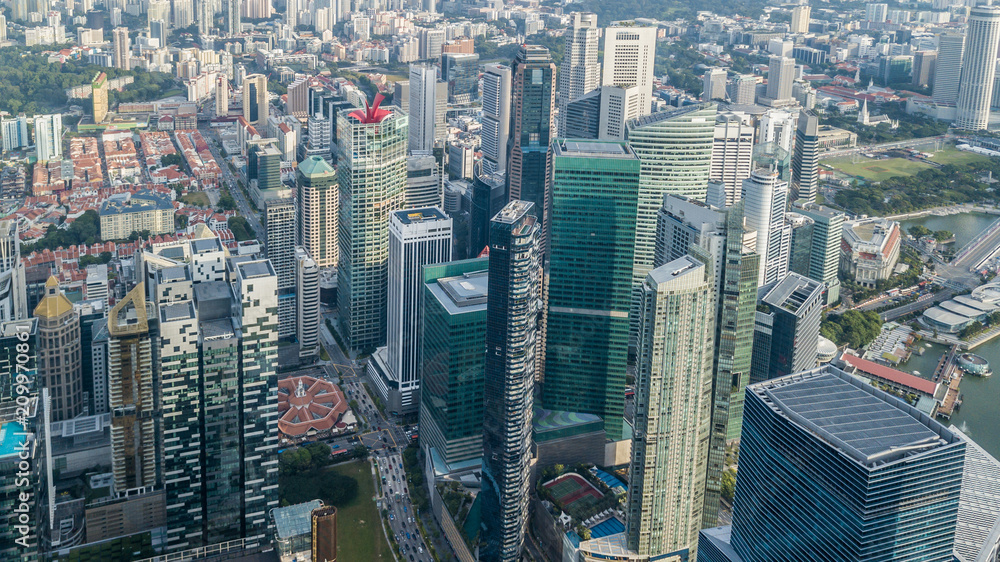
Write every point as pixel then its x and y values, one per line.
pixel 396 498
pixel 242 205
pixel 923 302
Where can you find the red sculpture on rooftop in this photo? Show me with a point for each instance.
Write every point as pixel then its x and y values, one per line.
pixel 372 113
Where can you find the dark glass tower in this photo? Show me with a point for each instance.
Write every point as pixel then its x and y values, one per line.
pixel 512 309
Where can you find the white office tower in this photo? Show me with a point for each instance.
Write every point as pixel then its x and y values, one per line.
pixel 440 112
pixel 424 184
pixel 979 63
pixel 423 91
pixel 743 89
pixel 48 137
pixel 280 218
pixel 307 303
pixel 97 283
pixel 780 77
pixel 222 96
pixel 714 84
pixel 580 71
pixel 878 12
pixel 732 153
pixel 496 117
pixel 122 48
pixel 800 19
pixel 765 198
pixel 948 68
pixel 778 126
pixel 13 296
pixel 183 13
pixel 629 53
pixel 417 237
pixel 320 133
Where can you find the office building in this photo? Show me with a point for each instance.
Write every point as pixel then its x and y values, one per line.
pixel 417 237
pixel 805 158
pixel 99 96
pixel 877 12
pixel 371 172
pixel 496 117
pixel 629 54
pixel 489 195
pixel 948 68
pixel 669 450
pixel 452 339
pixel 979 63
pixel 765 199
pixel 714 84
pixel 14 132
pixel 59 367
pixel 461 72
pixel 603 113
pixel 48 137
pixel 423 89
pixel 324 534
pixel 512 306
pixel 732 153
pixel 13 289
pixel 870 250
pixel 93 358
pixel 801 242
pixel 532 127
pixel 924 66
pixel 800 19
pixel 824 253
pixel 780 77
pixel 280 219
pixel 255 102
pixel 580 72
pixel 25 484
pixel 595 190
pixel 122 47
pixel 133 393
pixel 264 173
pixel 222 96
pixel 319 199
pixel 14 333
pixel 424 184
pixel 787 332
pixel 743 89
pixel 888 476
pixel 307 312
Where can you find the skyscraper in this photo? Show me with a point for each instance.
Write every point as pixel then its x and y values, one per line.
pixel 513 303
pixel 888 477
pixel 924 63
pixel 222 96
pixel 292 13
pixel 48 137
pixel 805 158
pixel 780 76
pixel 123 48
pixel 629 54
pixel 461 72
pixel 423 90
pixel 787 332
pixel 877 12
pixel 580 71
pixel 133 395
pixel 732 152
pixel 595 189
pixel 280 218
pixel 371 172
pixel 234 19
pixel 743 89
pixel 496 117
pixel 59 367
pixel 948 69
pixel 534 96
pixel 13 293
pixel 424 185
pixel 824 255
pixel 417 237
pixel 673 410
pixel 714 84
pixel 307 312
pixel 255 104
pixel 319 198
pixel 765 198
pixel 800 19
pixel 14 132
pixel 979 63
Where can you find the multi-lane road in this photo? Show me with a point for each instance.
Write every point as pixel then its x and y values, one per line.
pixel 396 499
pixel 241 202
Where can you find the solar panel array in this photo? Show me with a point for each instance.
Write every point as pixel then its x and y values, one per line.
pixel 861 421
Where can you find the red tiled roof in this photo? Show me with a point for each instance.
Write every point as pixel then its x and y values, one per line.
pixel 890 374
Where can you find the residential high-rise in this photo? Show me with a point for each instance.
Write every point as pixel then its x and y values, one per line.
pixel 629 53
pixel 889 477
pixel 765 199
pixel 979 63
pixel 122 47
pixel 824 255
pixel 673 410
pixel 587 327
pixel 292 10
pixel 133 395
pixel 99 96
pixel 319 199
pixel 496 117
pixel 512 306
pixel 423 89
pixel 780 77
pixel 786 334
pixel 48 137
pixel 800 19
pixel 732 153
pixel 714 84
pixel 183 13
pixel 234 19
pixel 532 127
pixel 743 89
pixel 371 172
pixel 452 339
pixel 948 69
pixel 205 15
pixel 255 103
pixel 417 237
pixel 14 132
pixel 580 71
pixel 280 219
pixel 675 154
pixel 307 312
pixel 59 367
pixel 805 158
pixel 877 12
pixel 222 96
pixel 461 72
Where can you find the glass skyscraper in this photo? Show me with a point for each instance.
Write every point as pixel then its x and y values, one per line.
pixel 513 303
pixel 832 468
pixel 595 187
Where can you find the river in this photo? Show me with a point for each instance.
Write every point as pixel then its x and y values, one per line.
pixel 965 226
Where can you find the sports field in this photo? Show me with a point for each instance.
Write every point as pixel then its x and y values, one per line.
pixel 952 155
pixel 572 489
pixel 873 169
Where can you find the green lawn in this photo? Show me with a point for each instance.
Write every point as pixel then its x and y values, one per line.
pixel 876 170
pixel 952 155
pixel 196 198
pixel 359 525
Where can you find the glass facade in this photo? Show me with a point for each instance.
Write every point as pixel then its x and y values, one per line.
pixel 594 187
pixel 461 72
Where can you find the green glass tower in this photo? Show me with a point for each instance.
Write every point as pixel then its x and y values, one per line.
pixel 595 189
pixel 452 362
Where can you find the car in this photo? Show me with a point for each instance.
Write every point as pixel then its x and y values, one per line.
pixel 404 509
pixel 411 558
pixel 407 536
pixel 392 517
pixel 420 549
pixel 411 520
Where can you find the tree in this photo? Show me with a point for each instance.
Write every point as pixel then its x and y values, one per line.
pixel 171 159
pixel 241 228
pixel 728 485
pixel 919 230
pixel 227 203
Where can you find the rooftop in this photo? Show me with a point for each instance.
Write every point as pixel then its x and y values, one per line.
pixel 11 435
pixel 176 311
pixel 315 166
pixel 205 245
pixel 660 116
pixel 255 269
pixel 411 216
pixel 593 149
pixel 137 202
pixel 890 374
pixel 793 291
pixel 294 520
pixel 462 293
pixel 554 420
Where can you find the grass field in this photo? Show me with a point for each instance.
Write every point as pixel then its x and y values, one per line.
pixel 876 170
pixel 196 198
pixel 359 525
pixel 952 155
